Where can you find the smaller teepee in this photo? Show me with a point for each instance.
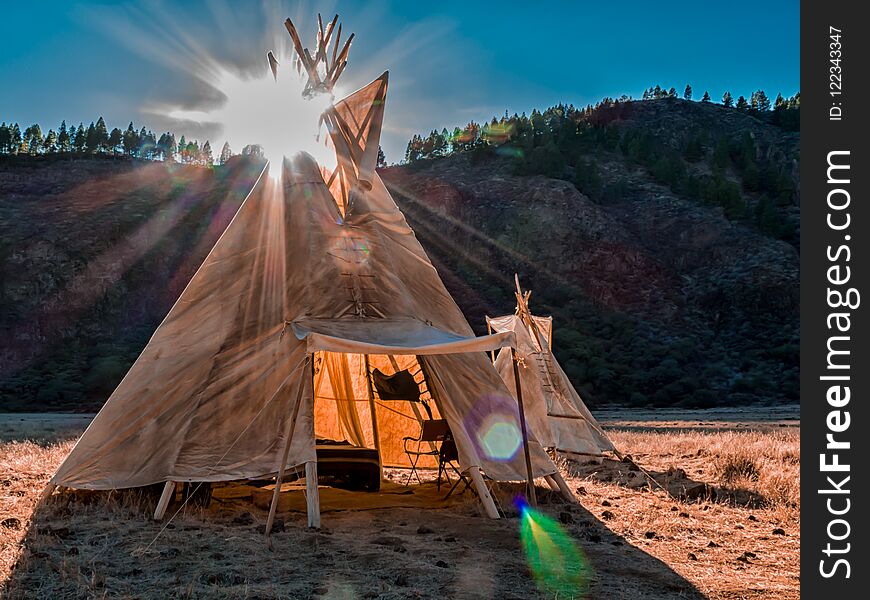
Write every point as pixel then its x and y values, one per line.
pixel 555 412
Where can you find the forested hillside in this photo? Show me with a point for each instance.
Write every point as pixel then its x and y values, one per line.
pixel 662 235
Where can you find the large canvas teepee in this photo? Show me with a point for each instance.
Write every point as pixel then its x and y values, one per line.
pixel 317 281
pixel 556 414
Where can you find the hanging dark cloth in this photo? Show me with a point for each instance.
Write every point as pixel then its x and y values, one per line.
pixel 399 386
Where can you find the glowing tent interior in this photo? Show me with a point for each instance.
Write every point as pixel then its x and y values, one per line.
pixel 556 414
pixel 316 282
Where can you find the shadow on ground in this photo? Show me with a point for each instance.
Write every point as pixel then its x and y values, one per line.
pixel 104 544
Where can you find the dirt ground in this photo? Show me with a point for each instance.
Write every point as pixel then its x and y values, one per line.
pixel 706 507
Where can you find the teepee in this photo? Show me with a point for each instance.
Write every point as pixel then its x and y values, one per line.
pixel 557 416
pixel 317 281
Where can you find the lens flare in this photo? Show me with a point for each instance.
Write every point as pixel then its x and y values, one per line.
pixel 270 113
pixel 557 564
pixel 496 425
pixel 500 439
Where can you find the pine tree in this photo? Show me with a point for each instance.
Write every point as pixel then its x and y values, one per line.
pixel 91 138
pixel 80 141
pixel 742 104
pixel 415 144
pixel 439 144
pixel 101 135
pixel 226 153
pixel 131 140
pixel 706 97
pixel 15 139
pixel 382 158
pixel 254 150
pixel 143 149
pixel 33 139
pixel 182 150
pixel 193 152
pixel 672 93
pixel 149 144
pixel 163 146
pixel 4 138
pixel 207 158
pixel 115 140
pixel 63 141
pixel 763 102
pixel 687 94
pixel 171 148
pixel 727 100
pixel 49 145
pixel 780 102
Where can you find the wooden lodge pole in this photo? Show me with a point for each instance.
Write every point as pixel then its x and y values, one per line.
pixel 563 487
pixel 288 438
pixel 483 492
pixel 375 433
pixel 533 500
pixel 312 491
pixel 165 499
pixel 312 495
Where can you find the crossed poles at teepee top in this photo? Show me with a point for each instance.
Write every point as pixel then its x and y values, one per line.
pixel 332 66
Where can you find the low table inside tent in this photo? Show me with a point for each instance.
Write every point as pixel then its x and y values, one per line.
pixel 357 467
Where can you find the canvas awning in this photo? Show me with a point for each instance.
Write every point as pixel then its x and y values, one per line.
pixel 391 336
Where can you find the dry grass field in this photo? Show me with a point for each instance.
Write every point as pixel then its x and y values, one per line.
pixel 712 511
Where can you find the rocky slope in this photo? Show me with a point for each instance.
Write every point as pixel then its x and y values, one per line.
pixel 655 298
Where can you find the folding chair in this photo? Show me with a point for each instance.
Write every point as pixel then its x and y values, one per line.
pixel 448 455
pixel 432 431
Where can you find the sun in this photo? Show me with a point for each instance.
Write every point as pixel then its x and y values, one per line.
pixel 271 112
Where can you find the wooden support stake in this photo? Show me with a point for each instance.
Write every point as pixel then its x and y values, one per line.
pixel 312 495
pixel 533 500
pixel 563 487
pixel 483 492
pixel 552 483
pixel 165 499
pixel 375 433
pixel 288 438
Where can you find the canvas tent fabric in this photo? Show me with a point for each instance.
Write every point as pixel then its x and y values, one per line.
pixel 556 414
pixel 303 274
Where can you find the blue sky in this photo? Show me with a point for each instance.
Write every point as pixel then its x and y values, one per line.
pixel 449 61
